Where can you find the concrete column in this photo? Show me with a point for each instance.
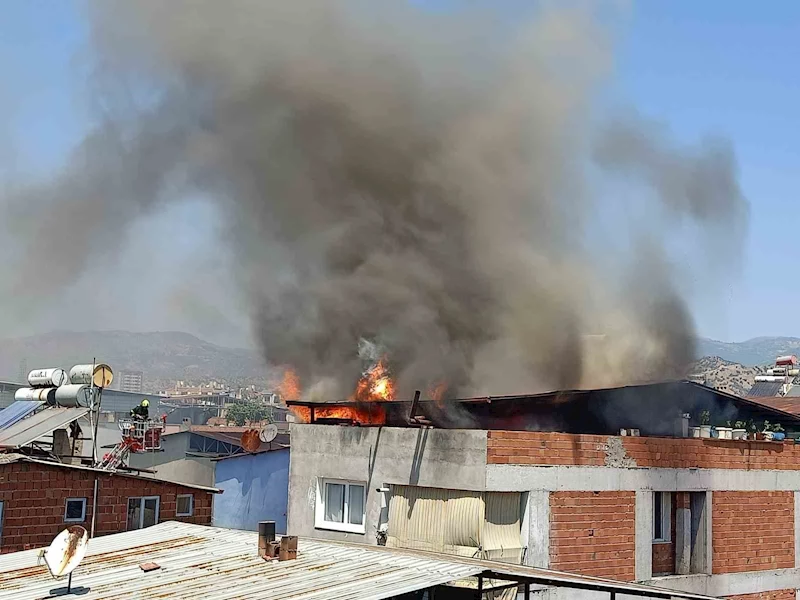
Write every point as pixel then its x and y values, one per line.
pixel 683 534
pixel 797 529
pixel 537 528
pixel 644 535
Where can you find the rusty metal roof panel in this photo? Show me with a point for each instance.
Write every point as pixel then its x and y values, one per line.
pixel 38 425
pixel 207 562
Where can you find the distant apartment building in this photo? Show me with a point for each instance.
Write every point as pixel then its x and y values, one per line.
pixel 604 483
pixel 130 381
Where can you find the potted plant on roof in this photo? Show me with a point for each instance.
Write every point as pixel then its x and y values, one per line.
pixel 739 430
pixel 776 433
pixel 761 432
pixel 705 424
pixel 725 433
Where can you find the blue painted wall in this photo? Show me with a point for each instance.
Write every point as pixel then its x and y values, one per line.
pixel 255 488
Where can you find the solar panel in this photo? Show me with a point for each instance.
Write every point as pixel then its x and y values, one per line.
pixel 764 389
pixel 17 411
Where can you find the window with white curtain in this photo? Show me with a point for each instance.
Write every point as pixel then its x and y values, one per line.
pixel 341 505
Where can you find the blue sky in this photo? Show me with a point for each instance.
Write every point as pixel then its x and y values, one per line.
pixel 717 66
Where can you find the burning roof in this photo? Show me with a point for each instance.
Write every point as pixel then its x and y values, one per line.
pixel 654 409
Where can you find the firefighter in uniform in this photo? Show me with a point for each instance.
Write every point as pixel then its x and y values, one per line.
pixel 141 412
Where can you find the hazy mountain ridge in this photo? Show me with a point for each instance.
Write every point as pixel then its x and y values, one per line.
pixel 724 375
pixel 170 355
pixel 757 351
pixel 159 355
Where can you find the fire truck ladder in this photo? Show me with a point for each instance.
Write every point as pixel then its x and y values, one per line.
pixel 118 455
pixel 137 436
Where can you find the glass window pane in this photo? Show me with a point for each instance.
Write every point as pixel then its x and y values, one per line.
pixel 74 510
pixel 184 505
pixel 134 507
pixel 657 517
pixel 334 502
pixel 355 505
pixel 150 512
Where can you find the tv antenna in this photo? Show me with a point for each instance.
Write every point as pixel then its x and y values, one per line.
pixel 65 553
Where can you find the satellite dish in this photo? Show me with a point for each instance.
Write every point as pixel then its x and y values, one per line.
pixel 250 441
pixel 66 551
pixel 268 433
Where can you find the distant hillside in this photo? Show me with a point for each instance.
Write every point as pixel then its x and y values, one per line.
pixel 724 375
pixel 758 351
pixel 160 355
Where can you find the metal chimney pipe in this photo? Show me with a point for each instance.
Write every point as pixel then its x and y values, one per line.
pixel 266 535
pixel 413 412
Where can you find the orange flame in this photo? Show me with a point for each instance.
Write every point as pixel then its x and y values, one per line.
pixel 436 392
pixel 374 385
pixel 289 389
pixel 371 414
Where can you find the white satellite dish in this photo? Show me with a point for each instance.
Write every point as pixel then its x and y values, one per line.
pixel 268 433
pixel 66 551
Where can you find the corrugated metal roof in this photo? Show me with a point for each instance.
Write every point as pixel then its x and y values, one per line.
pixel 785 403
pixel 38 425
pixel 17 411
pixel 207 562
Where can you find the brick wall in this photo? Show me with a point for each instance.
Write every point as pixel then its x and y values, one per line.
pixel 752 531
pixel 34 497
pixel 592 533
pixel 773 595
pixel 547 448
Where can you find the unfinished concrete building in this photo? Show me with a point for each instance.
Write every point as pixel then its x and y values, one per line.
pixel 551 481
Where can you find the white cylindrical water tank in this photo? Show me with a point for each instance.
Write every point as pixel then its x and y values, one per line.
pixel 73 394
pixel 770 378
pixel 40 394
pixel 47 377
pixel 101 373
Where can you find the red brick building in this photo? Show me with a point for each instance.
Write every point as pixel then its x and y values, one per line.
pixel 706 515
pixel 39 498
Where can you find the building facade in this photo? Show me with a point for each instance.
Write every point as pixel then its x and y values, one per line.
pixel 39 498
pixel 131 381
pixel 711 516
pixel 189 455
pixel 255 488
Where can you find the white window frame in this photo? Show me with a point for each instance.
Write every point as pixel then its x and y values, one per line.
pixel 191 505
pixel 141 510
pixel 319 509
pixel 666 516
pixel 83 510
